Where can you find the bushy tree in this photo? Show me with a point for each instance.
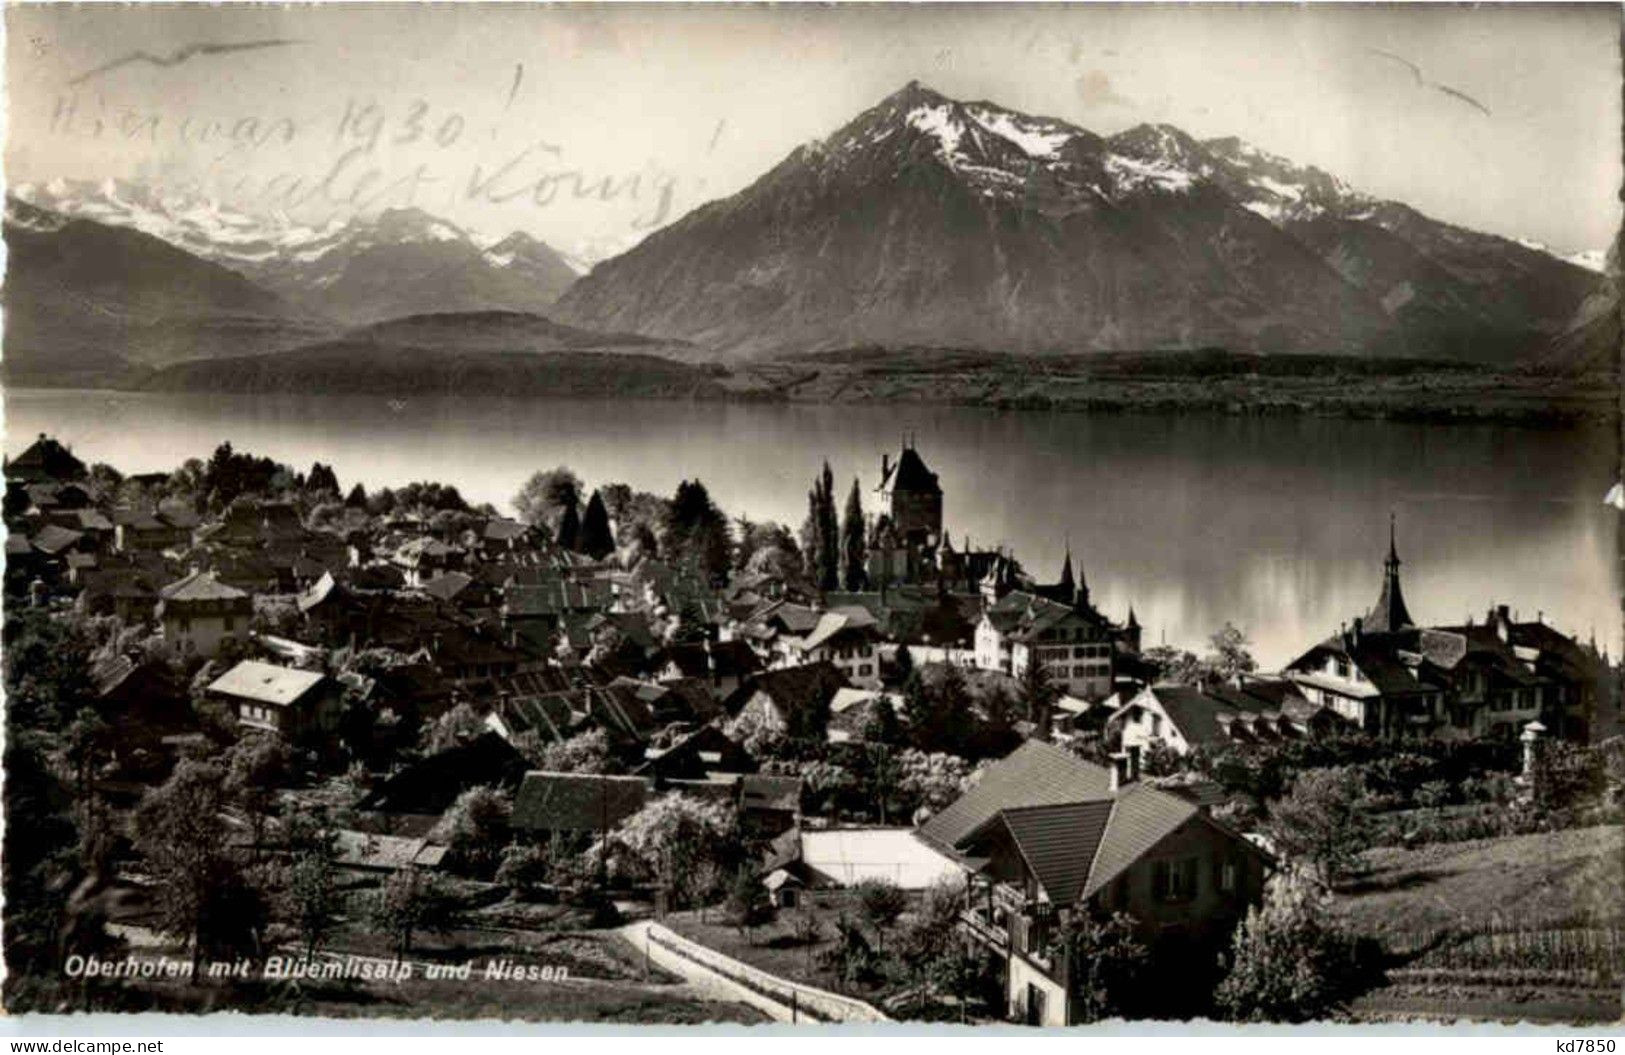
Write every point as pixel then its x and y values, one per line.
pixel 587 752
pixel 475 830
pixel 1106 963
pixel 931 779
pixel 545 496
pixel 1230 655
pixel 668 841
pixel 310 898
pixel 457 726
pixel 525 867
pixel 883 725
pixel 256 766
pixel 748 905
pixel 1289 961
pixel 882 902
pixel 696 533
pixel 409 902
pixel 1322 821
pixel 1038 693
pixel 939 710
pixel 182 842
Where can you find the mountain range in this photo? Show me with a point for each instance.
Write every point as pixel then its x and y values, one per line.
pixel 360 270
pixel 923 222
pixel 932 221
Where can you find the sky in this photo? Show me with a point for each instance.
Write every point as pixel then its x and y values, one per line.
pixel 591 126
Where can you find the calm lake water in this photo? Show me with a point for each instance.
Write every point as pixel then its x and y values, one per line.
pixel 1278 524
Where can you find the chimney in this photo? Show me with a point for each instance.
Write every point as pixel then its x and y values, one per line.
pixel 885 466
pixel 1359 626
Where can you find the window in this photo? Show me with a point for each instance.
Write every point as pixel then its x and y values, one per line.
pixel 1174 880
pixel 1156 725
pixel 231 626
pixel 1229 875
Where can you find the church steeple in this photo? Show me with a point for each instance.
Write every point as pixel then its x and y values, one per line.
pixel 1067 583
pixel 1390 612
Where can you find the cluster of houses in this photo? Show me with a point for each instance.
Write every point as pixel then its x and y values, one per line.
pixel 546 644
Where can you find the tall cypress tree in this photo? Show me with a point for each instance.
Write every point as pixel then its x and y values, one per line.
pixel 854 555
pixel 829 534
pixel 597 540
pixel 570 527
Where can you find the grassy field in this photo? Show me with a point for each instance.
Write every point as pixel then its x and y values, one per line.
pixel 1522 927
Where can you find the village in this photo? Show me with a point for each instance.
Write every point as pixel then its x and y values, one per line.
pixel 648 762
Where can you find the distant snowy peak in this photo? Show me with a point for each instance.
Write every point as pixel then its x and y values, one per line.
pixel 1590 259
pixel 1278 189
pixel 1004 154
pixel 182 218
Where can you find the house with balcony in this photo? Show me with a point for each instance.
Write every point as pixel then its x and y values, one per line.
pixel 1394 679
pixel 1049 837
pixel 1078 646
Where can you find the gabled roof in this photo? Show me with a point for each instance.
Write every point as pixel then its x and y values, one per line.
pixel 1058 842
pixel 201 586
pixel 1142 816
pixel 52 539
pixel 1197 714
pixel 46 457
pixel 832 625
pixel 794 689
pixel 581 802
pixel 1035 774
pixel 266 683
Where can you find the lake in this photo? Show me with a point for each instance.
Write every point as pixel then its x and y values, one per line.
pixel 1277 524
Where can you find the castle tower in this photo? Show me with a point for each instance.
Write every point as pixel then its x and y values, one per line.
pixel 911 498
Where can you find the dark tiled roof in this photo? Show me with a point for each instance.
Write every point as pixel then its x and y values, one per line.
pixel 910 474
pixel 1058 842
pixel 576 801
pixel 796 690
pixel 433 784
pixel 53 539
pixel 201 586
pixel 1035 774
pixel 724 659
pixel 1141 817
pixel 766 791
pixel 447 586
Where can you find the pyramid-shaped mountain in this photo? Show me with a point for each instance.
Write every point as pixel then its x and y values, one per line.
pixel 928 220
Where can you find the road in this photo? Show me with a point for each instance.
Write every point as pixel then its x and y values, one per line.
pixel 705 982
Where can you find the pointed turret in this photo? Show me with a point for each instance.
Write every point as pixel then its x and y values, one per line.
pixel 1390 613
pixel 1067 582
